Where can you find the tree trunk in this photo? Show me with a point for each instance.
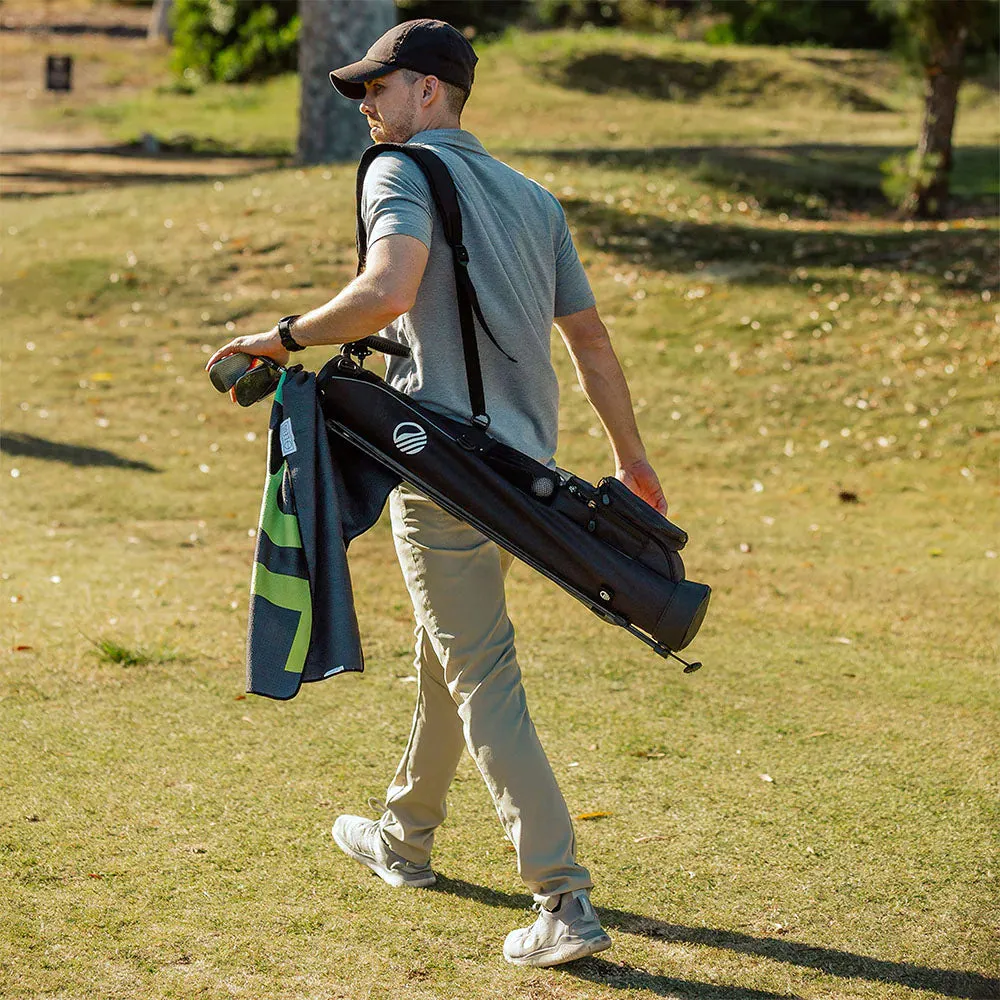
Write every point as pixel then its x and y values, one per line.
pixel 929 197
pixel 333 34
pixel 159 22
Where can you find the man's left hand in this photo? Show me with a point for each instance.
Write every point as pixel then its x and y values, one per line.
pixel 261 345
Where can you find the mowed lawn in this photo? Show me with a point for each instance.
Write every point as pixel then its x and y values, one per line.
pixel 814 814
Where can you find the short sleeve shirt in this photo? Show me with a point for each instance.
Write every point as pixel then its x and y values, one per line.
pixel 526 271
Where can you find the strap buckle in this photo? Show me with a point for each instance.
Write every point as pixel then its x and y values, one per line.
pixel 461 254
pixel 482 420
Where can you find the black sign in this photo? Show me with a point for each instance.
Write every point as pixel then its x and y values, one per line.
pixel 59 73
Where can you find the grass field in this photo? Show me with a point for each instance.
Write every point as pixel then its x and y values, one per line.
pixel 814 814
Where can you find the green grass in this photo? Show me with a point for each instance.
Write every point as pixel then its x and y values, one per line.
pixel 112 651
pixel 162 835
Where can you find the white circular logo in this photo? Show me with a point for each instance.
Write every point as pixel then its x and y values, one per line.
pixel 409 438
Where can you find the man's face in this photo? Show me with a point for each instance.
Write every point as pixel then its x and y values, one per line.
pixel 392 106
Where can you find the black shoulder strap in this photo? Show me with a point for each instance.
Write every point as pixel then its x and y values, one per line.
pixel 446 199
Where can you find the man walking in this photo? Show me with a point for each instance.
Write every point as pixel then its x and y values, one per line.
pixel 413 84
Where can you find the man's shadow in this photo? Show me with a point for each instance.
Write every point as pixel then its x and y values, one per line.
pixel 947 982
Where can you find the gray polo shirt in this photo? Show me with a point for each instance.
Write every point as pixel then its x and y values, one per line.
pixel 526 272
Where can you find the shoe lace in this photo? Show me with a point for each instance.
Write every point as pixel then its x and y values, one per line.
pixel 376 805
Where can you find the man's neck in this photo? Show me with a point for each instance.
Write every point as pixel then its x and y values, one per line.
pixel 441 121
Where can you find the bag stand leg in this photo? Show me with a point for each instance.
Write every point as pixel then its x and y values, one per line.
pixel 689 668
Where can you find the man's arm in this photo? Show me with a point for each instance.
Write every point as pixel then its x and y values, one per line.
pixel 385 290
pixel 603 381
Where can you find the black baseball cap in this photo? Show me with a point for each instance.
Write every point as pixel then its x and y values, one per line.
pixel 426 46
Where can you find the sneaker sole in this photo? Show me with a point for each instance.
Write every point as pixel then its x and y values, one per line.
pixel 396 879
pixel 562 953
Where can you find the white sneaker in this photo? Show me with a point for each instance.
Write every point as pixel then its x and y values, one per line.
pixel 570 931
pixel 360 838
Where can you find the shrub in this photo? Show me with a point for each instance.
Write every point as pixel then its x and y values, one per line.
pixel 232 41
pixel 660 16
pixel 905 174
pixel 483 17
pixel 836 23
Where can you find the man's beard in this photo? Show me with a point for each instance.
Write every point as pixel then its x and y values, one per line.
pixel 398 132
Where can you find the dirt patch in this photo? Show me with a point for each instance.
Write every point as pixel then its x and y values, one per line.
pixel 111 60
pixel 72 17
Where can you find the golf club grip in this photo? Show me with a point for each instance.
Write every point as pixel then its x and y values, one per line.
pixel 386 346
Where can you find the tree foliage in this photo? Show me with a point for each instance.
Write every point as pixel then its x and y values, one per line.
pixel 845 24
pixel 233 41
pixel 920 27
pixel 485 17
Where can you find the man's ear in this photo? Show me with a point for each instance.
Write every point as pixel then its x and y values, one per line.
pixel 430 89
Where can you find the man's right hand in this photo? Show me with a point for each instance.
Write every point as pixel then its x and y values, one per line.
pixel 640 478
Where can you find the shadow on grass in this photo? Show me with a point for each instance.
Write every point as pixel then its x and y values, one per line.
pixel 947 982
pixel 29 446
pixel 955 259
pixel 81 28
pixel 81 180
pixel 806 179
pixel 180 161
pixel 676 78
pixel 184 148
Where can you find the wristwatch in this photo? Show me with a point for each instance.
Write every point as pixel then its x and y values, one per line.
pixel 288 342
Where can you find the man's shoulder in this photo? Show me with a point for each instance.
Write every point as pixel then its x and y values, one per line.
pixel 484 166
pixel 392 171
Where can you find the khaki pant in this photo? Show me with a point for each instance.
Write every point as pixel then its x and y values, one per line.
pixel 469 694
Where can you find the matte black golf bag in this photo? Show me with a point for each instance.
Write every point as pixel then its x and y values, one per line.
pixel 602 544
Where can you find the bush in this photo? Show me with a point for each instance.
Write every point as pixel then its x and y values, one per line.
pixel 846 24
pixel 232 41
pixel 661 16
pixel 905 174
pixel 483 17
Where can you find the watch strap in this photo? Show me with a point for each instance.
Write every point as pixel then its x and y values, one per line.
pixel 288 342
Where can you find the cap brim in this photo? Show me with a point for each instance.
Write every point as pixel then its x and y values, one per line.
pixel 350 80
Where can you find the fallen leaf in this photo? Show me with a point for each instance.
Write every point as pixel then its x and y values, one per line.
pixel 842 639
pixel 813 736
pixel 240 697
pixel 650 837
pixel 20 649
pixel 766 777
pixel 846 496
pixel 593 815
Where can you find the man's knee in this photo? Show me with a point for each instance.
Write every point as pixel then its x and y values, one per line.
pixel 489 672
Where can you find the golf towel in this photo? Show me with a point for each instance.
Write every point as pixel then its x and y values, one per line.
pixel 319 494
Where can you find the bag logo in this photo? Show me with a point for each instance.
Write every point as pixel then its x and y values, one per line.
pixel 409 438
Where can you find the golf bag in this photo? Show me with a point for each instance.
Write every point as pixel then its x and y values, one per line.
pixel 602 544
